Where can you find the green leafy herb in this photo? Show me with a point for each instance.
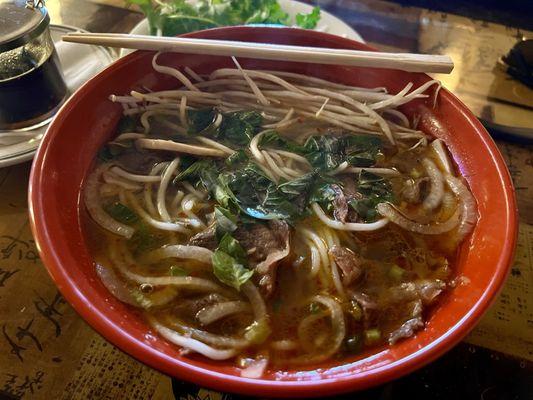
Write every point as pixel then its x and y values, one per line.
pixel 375 189
pixel 328 152
pixel 202 121
pixel 236 158
pixel 229 271
pixel 143 239
pixel 121 213
pixel 240 127
pixel 229 245
pixel 274 140
pixel 308 21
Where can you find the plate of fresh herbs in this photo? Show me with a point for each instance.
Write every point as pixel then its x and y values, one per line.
pixel 176 17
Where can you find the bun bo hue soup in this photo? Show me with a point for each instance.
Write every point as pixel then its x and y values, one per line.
pixel 274 218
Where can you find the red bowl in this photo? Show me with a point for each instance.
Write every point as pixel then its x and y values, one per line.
pixel 87 120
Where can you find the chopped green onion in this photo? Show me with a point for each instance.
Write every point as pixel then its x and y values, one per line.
pixel 415 173
pixel 372 336
pixel 258 332
pixel 396 273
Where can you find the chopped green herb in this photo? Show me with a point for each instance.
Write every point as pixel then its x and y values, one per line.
pixel 308 21
pixel 327 152
pixel 229 271
pixel 236 158
pixel 372 336
pixel 374 190
pixel 240 127
pixel 121 213
pixel 229 245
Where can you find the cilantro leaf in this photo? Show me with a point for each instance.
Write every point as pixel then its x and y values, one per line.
pixel 308 21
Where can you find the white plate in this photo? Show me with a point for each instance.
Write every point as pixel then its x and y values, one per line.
pixel 328 23
pixel 79 64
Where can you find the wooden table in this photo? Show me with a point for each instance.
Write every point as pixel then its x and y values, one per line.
pixel 48 352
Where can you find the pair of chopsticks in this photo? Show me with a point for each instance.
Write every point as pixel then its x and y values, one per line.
pixel 401 61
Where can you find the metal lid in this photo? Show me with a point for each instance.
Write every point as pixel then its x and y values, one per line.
pixel 20 22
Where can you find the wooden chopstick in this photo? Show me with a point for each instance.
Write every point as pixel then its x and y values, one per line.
pixel 401 61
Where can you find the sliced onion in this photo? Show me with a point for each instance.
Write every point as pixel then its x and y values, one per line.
pixel 338 327
pixel 469 213
pixel 434 197
pixel 94 207
pixel 197 253
pixel 348 226
pixel 442 154
pixel 388 211
pixel 210 338
pixel 112 283
pixel 192 344
pixel 215 312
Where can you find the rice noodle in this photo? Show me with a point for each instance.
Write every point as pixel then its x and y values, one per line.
pixel 260 96
pixel 388 211
pixel 173 72
pixel 192 344
pixel 348 226
pixel 169 145
pixel 215 312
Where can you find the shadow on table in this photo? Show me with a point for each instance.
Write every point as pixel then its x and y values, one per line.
pixel 466 372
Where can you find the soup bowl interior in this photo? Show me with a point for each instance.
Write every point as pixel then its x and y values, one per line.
pixel 88 120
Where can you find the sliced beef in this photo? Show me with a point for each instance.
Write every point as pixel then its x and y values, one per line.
pixel 426 290
pixel 368 306
pixel 348 262
pixel 266 245
pixel 206 238
pixel 340 204
pixel 407 329
pixel 343 195
pixel 414 191
pixel 410 321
